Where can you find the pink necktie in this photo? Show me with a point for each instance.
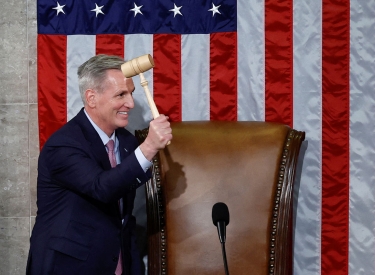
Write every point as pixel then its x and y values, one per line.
pixel 111 152
pixel 112 159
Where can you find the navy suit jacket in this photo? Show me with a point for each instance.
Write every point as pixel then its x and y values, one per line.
pixel 78 228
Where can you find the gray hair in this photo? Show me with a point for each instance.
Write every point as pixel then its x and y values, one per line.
pixel 92 74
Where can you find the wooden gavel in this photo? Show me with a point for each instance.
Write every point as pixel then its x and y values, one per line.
pixel 137 66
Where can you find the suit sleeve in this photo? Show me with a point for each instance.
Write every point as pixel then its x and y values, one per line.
pixel 73 166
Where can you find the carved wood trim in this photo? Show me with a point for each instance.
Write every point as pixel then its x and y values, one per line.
pixel 281 256
pixel 157 253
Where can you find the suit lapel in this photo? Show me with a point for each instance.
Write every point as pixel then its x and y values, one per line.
pixel 94 140
pixel 123 145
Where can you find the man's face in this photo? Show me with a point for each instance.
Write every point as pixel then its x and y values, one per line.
pixel 114 103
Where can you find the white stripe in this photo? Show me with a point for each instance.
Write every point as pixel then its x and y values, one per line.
pixel 137 45
pixel 195 61
pixel 307 110
pixel 362 138
pixel 250 51
pixel 79 49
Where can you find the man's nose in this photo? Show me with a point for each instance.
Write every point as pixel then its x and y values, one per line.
pixel 129 102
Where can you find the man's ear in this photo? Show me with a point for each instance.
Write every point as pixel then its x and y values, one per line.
pixel 90 96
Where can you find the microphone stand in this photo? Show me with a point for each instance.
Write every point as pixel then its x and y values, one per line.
pixel 220 218
pixel 224 258
pixel 221 230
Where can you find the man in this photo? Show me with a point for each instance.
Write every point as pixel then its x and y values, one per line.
pixel 84 223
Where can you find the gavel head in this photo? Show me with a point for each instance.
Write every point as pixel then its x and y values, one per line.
pixel 137 65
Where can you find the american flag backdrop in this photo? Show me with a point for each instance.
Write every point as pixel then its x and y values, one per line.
pixel 309 64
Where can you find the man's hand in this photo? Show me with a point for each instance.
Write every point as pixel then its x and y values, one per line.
pixel 159 134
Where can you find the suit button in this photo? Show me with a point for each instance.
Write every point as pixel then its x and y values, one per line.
pixel 115 259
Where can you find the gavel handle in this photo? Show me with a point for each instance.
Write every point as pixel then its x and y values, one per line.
pixel 151 102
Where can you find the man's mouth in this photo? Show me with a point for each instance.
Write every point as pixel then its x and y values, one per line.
pixel 123 113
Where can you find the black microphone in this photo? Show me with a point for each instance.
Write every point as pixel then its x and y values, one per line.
pixel 220 218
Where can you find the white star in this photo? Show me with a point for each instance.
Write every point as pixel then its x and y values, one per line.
pixel 59 8
pixel 137 9
pixel 98 10
pixel 214 9
pixel 176 10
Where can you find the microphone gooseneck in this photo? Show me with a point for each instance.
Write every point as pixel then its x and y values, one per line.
pixel 220 218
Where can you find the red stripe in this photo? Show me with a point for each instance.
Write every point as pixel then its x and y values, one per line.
pixel 112 44
pixel 335 144
pixel 279 61
pixel 52 113
pixel 167 75
pixel 223 76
